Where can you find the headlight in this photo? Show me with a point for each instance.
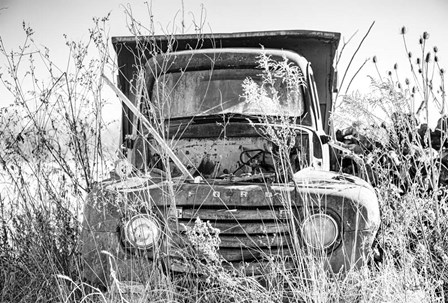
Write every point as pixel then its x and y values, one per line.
pixel 319 231
pixel 142 231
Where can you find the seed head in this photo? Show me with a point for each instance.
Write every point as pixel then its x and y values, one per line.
pixel 436 59
pixel 413 89
pixel 406 81
pixel 418 61
pixel 410 55
pixel 435 49
pixel 395 66
pixel 374 59
pixel 442 71
pixel 403 30
pixel 389 73
pixel 419 70
pixel 420 41
pixel 428 57
pixel 425 35
pixel 399 85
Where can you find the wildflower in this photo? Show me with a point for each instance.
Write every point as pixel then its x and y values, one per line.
pixel 421 249
pixel 426 35
pixel 205 239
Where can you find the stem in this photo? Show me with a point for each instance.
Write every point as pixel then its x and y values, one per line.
pixel 353 57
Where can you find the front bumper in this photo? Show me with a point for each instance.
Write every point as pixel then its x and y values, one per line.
pixel 106 262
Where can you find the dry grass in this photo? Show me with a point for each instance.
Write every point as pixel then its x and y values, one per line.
pixel 51 153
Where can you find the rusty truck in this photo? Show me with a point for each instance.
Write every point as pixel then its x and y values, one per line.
pixel 232 130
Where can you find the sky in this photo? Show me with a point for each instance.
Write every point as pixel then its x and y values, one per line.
pixel 51 19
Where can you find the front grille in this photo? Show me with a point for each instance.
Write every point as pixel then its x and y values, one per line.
pixel 254 221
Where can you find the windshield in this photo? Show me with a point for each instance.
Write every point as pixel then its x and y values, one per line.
pixel 220 91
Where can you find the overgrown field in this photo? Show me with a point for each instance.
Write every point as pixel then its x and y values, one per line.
pixel 52 152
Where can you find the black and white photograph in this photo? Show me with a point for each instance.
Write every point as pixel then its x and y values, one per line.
pixel 191 151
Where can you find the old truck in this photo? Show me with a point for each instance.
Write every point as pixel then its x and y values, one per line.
pixel 230 129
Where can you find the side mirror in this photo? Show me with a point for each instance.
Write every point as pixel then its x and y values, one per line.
pixel 335 82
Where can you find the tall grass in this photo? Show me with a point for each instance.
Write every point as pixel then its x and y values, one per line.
pixel 52 155
pixel 407 160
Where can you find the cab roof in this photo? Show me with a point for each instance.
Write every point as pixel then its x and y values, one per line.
pixel 317 47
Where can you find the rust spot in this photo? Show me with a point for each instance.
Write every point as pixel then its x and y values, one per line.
pixel 207 166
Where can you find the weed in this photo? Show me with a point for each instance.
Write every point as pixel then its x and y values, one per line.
pixel 51 155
